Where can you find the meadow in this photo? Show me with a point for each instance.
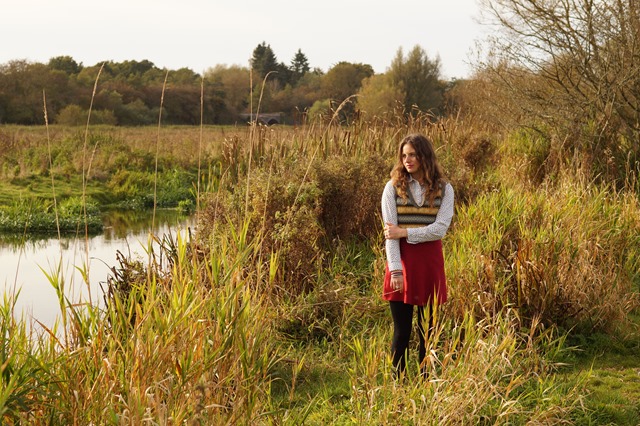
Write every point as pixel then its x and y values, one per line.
pixel 270 312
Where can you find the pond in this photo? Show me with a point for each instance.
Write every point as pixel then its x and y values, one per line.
pixel 26 264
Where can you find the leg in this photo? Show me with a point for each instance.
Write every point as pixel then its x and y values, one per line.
pixel 402 315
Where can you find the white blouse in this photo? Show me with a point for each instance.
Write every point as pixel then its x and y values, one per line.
pixel 432 232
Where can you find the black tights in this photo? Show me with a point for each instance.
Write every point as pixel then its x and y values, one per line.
pixel 402 315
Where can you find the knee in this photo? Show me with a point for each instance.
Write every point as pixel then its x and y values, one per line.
pixel 402 335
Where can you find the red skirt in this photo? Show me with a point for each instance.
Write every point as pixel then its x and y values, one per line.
pixel 423 272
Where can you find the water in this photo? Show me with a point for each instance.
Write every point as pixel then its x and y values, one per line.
pixel 24 265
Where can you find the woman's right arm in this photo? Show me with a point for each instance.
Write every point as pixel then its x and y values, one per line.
pixel 390 215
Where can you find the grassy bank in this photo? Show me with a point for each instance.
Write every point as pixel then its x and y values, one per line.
pixel 272 313
pixel 108 167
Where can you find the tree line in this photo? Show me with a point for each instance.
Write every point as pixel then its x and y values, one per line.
pixel 564 73
pixel 129 92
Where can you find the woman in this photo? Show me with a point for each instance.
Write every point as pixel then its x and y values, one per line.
pixel 417 207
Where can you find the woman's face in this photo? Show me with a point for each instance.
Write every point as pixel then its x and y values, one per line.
pixel 410 160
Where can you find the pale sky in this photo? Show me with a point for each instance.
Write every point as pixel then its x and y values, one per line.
pixel 200 34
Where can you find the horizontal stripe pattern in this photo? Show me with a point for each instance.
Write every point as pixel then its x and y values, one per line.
pixel 411 214
pixel 410 225
pixel 410 210
pixel 410 201
pixel 416 218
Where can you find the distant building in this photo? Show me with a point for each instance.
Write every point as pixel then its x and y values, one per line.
pixel 267 118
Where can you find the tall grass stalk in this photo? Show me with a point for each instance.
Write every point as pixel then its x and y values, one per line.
pixel 23 378
pixel 157 153
pixel 51 172
pixel 86 167
pixel 252 137
pixel 173 349
pixel 200 138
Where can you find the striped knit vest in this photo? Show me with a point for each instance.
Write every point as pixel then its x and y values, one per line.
pixel 411 215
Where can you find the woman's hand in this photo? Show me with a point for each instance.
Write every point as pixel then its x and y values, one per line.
pixel 397 283
pixel 394 232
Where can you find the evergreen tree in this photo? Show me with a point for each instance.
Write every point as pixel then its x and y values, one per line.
pixel 299 66
pixel 264 60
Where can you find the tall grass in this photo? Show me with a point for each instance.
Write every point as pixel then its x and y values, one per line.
pixel 271 312
pixel 566 254
pixel 478 373
pixel 168 350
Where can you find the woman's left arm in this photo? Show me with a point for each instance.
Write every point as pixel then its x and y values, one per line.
pixel 438 229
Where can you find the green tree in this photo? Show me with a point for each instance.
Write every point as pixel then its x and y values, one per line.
pixel 299 67
pixel 72 115
pixel 136 113
pixel 109 99
pixel 66 64
pixel 131 68
pixel 342 81
pixel 21 87
pixel 104 116
pixel 88 74
pixel 345 79
pixel 233 82
pixel 378 96
pixel 320 110
pixel 182 104
pixel 264 60
pixel 418 77
pixel 184 76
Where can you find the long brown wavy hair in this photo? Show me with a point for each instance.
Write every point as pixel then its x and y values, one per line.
pixel 433 175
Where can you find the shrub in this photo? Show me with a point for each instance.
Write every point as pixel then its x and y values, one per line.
pixel 284 208
pixel 351 192
pixel 72 115
pixel 567 255
pixel 298 215
pixel 74 206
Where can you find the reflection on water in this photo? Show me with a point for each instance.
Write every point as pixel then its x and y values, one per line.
pixel 120 224
pixel 25 259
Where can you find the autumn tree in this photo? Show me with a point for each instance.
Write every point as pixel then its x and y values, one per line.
pixel 21 91
pixel 233 82
pixel 342 82
pixel 345 79
pixel 572 66
pixel 379 96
